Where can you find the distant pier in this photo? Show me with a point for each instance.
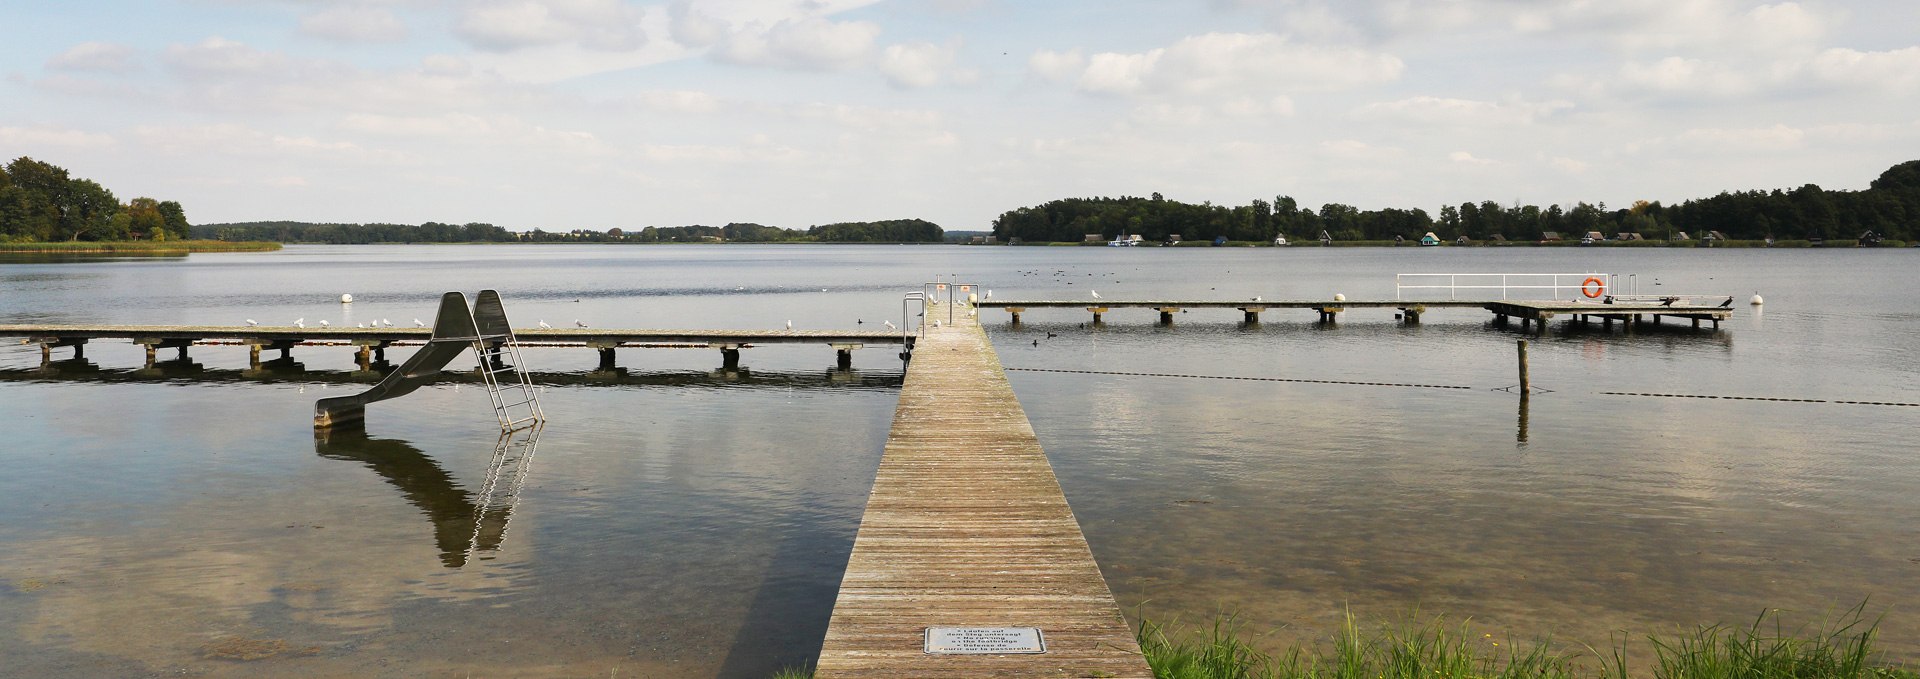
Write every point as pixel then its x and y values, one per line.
pixel 1533 314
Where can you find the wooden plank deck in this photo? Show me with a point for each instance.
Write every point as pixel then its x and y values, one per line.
pixel 589 336
pixel 967 527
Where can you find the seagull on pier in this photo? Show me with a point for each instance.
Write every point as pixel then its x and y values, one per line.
pixel 300 322
pixel 989 295
pixel 890 325
pixel 1256 298
pixel 789 324
pixel 386 323
pixel 252 322
pixel 323 323
pixel 418 324
pixel 361 326
pixel 544 326
pixel 1095 293
pixel 578 324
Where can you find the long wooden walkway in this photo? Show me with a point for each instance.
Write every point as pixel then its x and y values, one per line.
pixel 967 528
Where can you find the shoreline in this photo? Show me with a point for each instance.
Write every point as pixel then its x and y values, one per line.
pixel 135 247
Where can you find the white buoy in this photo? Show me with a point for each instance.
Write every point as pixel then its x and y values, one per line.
pixel 1756 301
pixel 346 299
pixel 1337 297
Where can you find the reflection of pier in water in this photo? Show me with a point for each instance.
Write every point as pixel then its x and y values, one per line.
pixel 466 524
pixel 289 371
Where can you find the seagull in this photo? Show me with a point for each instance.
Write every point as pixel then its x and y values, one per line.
pixel 890 325
pixel 300 322
pixel 789 324
pixel 989 295
pixel 418 324
pixel 361 326
pixel 386 322
pixel 578 324
pixel 1256 298
pixel 1095 293
pixel 252 322
pixel 323 323
pixel 544 326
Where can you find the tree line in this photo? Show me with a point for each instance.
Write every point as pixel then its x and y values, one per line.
pixel 42 202
pixel 1889 207
pixel 888 231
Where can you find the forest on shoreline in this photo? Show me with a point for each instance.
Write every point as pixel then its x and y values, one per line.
pixel 43 203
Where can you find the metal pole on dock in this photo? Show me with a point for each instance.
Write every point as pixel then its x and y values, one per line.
pixel 1525 387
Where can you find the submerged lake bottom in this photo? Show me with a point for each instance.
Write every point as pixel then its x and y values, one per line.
pixel 684 522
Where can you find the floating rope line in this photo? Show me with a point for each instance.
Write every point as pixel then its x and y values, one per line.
pixel 1766 398
pixel 1229 377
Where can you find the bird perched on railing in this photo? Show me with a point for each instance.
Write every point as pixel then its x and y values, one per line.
pixel 1095 293
pixel 543 325
pixel 418 324
pixel 1727 304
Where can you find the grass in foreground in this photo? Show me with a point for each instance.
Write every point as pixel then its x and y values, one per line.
pixel 1840 649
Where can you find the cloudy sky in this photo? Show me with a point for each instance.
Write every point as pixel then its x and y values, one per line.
pixel 614 113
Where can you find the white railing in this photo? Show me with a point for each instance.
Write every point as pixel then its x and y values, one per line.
pixel 1567 286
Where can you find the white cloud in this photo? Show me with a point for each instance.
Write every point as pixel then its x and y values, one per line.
pixel 493 130
pixel 921 64
pixel 1057 67
pixel 94 56
pixel 694 28
pixel 1465 158
pixel 804 43
pixel 1227 62
pixel 228 139
pixel 509 25
pixel 218 57
pixel 17 138
pixel 353 23
pixel 1427 110
pixel 1568 165
pixel 1777 137
pixel 1889 70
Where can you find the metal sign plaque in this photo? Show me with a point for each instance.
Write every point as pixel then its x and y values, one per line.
pixel 984 640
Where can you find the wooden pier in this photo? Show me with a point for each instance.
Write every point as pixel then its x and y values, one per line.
pixel 373 342
pixel 968 543
pixel 1533 314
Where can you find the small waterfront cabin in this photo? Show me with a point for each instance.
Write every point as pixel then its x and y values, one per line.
pixel 1325 238
pixel 1093 238
pixel 1463 240
pixel 1550 236
pixel 1682 235
pixel 1429 240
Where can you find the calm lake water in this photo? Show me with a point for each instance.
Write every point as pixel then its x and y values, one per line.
pixel 683 521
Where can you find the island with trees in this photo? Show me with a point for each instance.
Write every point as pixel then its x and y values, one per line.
pixel 44 209
pixel 1887 212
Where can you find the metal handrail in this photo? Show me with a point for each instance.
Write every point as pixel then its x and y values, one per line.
pixel 1506 283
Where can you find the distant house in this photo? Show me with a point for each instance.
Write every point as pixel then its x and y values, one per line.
pixel 1550 236
pixel 1093 238
pixel 1627 235
pixel 1497 238
pixel 1681 235
pixel 1594 236
pixel 1015 241
pixel 1325 238
pixel 1714 235
pixel 1869 238
pixel 1173 238
pixel 1429 239
pixel 1463 240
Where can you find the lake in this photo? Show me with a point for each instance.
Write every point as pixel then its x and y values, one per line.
pixel 685 521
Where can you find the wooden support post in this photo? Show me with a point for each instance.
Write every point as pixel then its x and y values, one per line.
pixel 46 353
pixel 286 351
pixel 1166 316
pixel 380 352
pixel 1696 324
pixel 606 358
pixel 1607 321
pixel 253 356
pixel 1016 311
pixel 844 358
pixel 150 350
pixel 363 357
pixel 1252 315
pixel 1097 311
pixel 730 358
pixel 1526 384
pixel 1413 314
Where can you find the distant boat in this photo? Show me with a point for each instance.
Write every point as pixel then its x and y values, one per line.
pixel 1125 241
pixel 1281 240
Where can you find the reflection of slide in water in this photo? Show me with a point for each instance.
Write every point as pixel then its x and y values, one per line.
pixel 465 524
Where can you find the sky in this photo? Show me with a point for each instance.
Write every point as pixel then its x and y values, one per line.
pixel 563 114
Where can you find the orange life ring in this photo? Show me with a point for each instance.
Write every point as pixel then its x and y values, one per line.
pixel 1599 287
